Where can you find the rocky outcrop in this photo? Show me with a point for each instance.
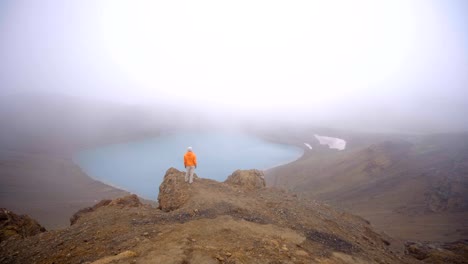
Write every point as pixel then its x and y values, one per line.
pixel 249 180
pixel 439 253
pixel 209 222
pixel 173 191
pixel 21 226
pixel 126 201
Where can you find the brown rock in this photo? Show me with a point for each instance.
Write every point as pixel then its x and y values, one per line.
pixel 301 253
pixel 417 250
pixel 173 191
pixel 451 252
pixel 248 179
pixel 128 201
pixel 13 225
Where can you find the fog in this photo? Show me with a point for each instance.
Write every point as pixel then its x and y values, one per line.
pixel 365 65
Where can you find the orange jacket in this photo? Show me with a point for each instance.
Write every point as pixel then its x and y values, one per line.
pixel 190 159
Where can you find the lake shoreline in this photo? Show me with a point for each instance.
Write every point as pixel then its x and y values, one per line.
pixel 243 151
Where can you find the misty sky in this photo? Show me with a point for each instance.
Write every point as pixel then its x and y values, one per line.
pixel 397 59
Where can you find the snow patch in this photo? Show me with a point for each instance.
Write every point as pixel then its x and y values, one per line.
pixel 333 143
pixel 308 145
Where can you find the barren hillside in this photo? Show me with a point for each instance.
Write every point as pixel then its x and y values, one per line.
pixel 412 189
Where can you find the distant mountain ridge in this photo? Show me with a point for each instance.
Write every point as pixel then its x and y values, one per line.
pixel 62 125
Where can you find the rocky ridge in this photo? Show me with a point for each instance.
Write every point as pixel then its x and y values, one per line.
pixel 17 226
pixel 209 222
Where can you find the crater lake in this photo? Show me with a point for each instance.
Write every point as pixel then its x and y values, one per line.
pixel 139 167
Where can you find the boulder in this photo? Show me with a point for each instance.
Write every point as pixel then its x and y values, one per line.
pixel 249 180
pixel 439 252
pixel 417 250
pixel 173 191
pixel 21 226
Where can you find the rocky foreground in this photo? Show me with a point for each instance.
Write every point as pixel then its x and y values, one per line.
pixel 238 221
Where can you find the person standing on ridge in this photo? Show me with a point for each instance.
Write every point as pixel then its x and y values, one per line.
pixel 190 163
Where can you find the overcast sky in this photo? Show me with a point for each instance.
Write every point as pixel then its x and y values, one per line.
pixel 338 60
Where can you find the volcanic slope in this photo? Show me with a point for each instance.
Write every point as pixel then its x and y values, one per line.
pixel 237 221
pixel 416 188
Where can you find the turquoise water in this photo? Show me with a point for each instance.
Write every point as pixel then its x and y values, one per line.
pixel 139 167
